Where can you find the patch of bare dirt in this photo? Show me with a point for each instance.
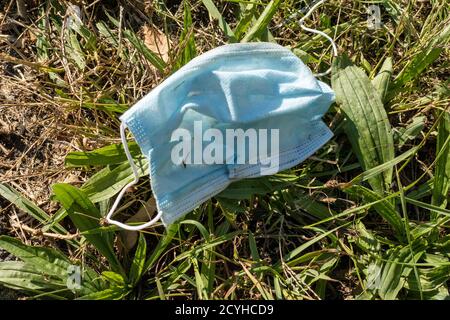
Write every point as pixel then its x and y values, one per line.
pixel 33 143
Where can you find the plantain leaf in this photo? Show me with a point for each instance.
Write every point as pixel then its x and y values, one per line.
pixel 114 293
pixel 397 269
pixel 305 202
pixel 430 279
pixel 22 276
pixel 44 269
pixel 245 189
pixel 104 185
pixel 384 208
pixel 410 132
pixel 382 79
pixel 47 260
pixel 138 264
pixel 112 154
pixel 367 126
pixel 107 183
pixel 86 216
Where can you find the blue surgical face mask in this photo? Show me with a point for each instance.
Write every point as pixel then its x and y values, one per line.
pixel 260 89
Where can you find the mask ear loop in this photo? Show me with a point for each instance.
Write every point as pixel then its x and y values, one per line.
pixel 124 189
pixel 323 34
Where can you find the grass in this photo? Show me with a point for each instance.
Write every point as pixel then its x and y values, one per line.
pixel 366 217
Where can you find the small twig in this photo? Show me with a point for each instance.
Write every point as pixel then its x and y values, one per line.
pixel 40 233
pixel 21 9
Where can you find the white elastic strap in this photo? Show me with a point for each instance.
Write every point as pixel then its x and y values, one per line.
pixel 122 192
pixel 323 34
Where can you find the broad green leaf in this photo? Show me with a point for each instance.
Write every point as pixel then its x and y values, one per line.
pixel 50 264
pixel 382 79
pixel 306 203
pixel 410 132
pixel 245 189
pixel 384 208
pixel 22 276
pixel 114 293
pixel 431 278
pixel 112 154
pixel 365 240
pixel 107 33
pixel 114 278
pixel 86 216
pixel 396 270
pixel 107 183
pixel 367 126
pixel 440 293
pixel 89 37
pixel 138 264
pixel 50 261
pixel 74 51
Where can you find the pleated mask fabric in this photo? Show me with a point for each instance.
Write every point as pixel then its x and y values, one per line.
pixel 246 86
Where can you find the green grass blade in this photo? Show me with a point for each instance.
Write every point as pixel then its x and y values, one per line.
pixel 441 183
pixel 187 38
pixel 263 21
pixel 369 174
pixel 424 58
pixel 13 196
pixel 170 233
pixel 140 46
pixel 245 20
pixel 215 14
